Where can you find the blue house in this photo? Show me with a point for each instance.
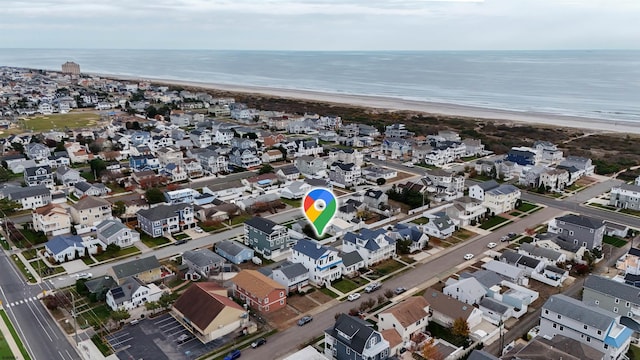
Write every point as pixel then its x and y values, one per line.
pixel 234 251
pixel 143 163
pixel 521 157
pixel 352 338
pixel 65 247
pixel 140 137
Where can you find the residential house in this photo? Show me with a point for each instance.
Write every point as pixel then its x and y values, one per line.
pixel 468 290
pixel 292 275
pixel 445 310
pixel 548 256
pixel 473 147
pixel 99 286
pixel 352 338
pixel 59 158
pixel 37 151
pixel 168 219
pixel 557 348
pixel 270 156
pixel 554 179
pixel 169 155
pixel 52 220
pixel 244 158
pixel 397 130
pixel 444 182
pixel 208 313
pixel 508 272
pixel 78 153
pixel 629 263
pixel 406 232
pixel 407 318
pixel 213 162
pixel 68 176
pixel 590 325
pixel 581 163
pixel 288 172
pixel 496 198
pixel 84 188
pixel 578 230
pixel 375 199
pixel 115 232
pixel 373 246
pixel 202 261
pixel 144 163
pixel 223 136
pixel 266 237
pixel 258 291
pixel 90 211
pixel 186 196
pixel 295 190
pixel 147 269
pixel 615 229
pixel 527 263
pixel 19 166
pixel 69 247
pixel 311 166
pixel 39 175
pixel 345 175
pixel 131 294
pixel 28 197
pixel 523 156
pixel 200 138
pixel 549 152
pixel 309 147
pixel 466 211
pixel 611 295
pixel 374 173
pixel 228 191
pixel 323 262
pixel 234 251
pixel 193 168
pixel 625 196
pixel 346 156
pixel 440 225
pixel 352 262
pixel 397 148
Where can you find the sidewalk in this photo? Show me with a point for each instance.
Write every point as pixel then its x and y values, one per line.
pixel 30 268
pixel 13 346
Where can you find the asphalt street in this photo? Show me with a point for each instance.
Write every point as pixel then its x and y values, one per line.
pixel 41 335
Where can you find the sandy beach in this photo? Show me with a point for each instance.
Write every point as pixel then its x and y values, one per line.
pixel 388 103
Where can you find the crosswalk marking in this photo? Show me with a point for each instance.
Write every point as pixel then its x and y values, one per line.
pixel 23 301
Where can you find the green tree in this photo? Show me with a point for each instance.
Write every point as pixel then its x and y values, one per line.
pixel 460 328
pixel 403 246
pixel 119 208
pixel 151 111
pixel 17 147
pixel 120 315
pixel 97 166
pixel 9 206
pixel 81 288
pixel 167 299
pixel 154 196
pixel 381 181
pixel 152 306
pixel 266 168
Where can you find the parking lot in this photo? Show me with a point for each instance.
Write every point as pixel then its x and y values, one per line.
pixel 157 339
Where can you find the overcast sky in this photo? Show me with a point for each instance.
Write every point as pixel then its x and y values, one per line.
pixel 321 24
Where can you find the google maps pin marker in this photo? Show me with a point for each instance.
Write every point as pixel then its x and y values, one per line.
pixel 319 207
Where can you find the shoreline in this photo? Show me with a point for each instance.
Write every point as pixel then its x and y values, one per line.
pixel 397 104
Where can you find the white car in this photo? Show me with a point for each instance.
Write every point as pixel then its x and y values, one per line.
pixel 353 297
pixel 84 275
pixel 198 229
pixel 468 256
pixel 491 245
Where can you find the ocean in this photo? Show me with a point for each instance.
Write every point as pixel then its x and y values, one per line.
pixel 596 84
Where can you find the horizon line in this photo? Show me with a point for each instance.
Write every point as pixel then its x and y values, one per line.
pixel 324 50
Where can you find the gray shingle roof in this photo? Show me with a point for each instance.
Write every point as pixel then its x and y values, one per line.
pixel 613 288
pixel 202 257
pixel 108 228
pixel 310 248
pixel 494 305
pixel 90 202
pixel 162 211
pixel 581 220
pixel 351 258
pixel 135 267
pixel 32 170
pixel 18 193
pixel 123 293
pixel 63 242
pixel 579 311
pixel 293 270
pixel 357 329
pixel 488 185
pixel 540 251
pixel 262 224
pixel 231 247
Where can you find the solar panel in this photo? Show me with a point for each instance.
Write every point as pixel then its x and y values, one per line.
pixel 117 293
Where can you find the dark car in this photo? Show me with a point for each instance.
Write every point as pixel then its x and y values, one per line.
pixel 234 354
pixel 180 242
pixel 304 320
pixel 258 342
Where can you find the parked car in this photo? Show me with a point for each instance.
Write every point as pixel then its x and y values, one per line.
pixel 505 238
pixel 304 320
pixel 258 342
pixel 399 290
pixel 183 338
pixel 512 235
pixel 180 242
pixel 372 287
pixel 353 297
pixel 198 229
pixel 491 245
pixel 468 256
pixel 84 276
pixel 234 354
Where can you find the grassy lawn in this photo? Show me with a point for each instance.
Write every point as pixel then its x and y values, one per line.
pixel 153 242
pixel 482 177
pixel 515 213
pixel 5 244
pixel 95 316
pixel 345 285
pixel 463 234
pixel 634 352
pixel 181 236
pixel 211 228
pixel 5 351
pixel 292 203
pixel 101 345
pixel 426 166
pixel 420 221
pixel 30 254
pixel 88 175
pixel 15 336
pixel 326 291
pixel 630 212
pixel 27 274
pixel 525 206
pixel 115 188
pixel 44 270
pixel 240 219
pixel 122 252
pixel 72 120
pixel 387 267
pixel 494 221
pixel 88 261
pixel 614 241
pixel 34 237
pixel 607 207
pixel 526 239
pixel 444 333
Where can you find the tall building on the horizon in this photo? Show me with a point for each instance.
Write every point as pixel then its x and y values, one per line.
pixel 71 68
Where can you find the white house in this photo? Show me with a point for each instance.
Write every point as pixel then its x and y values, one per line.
pixel 51 219
pixel 373 245
pixel 115 232
pixel 440 225
pixel 407 318
pixel 132 294
pixel 323 262
pixel 469 290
